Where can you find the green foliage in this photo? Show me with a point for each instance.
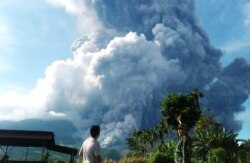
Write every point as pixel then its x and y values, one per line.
pixel 246 145
pixel 210 135
pixel 177 104
pixel 242 156
pixel 160 157
pixel 210 141
pixel 134 160
pixel 168 148
pixel 142 142
pixel 244 152
pixel 217 155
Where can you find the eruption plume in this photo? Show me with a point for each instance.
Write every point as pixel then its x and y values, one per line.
pixel 141 51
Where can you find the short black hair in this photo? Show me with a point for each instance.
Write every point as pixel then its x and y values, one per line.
pixel 94 130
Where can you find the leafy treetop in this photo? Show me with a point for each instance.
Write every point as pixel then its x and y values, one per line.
pixel 186 107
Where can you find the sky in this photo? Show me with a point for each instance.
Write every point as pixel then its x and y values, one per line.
pixel 59 57
pixel 228 26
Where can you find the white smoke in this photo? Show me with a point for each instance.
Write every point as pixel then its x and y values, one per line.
pixel 111 86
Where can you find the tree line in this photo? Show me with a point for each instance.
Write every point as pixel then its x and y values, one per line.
pixel 211 142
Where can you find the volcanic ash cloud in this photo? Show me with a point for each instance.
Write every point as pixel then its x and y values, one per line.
pixel 139 52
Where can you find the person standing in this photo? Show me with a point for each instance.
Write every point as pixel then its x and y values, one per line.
pixel 183 147
pixel 90 149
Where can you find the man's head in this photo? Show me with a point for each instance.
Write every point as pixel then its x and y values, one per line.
pixel 182 129
pixel 95 131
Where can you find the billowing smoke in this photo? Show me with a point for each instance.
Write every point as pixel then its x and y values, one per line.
pixel 229 91
pixel 173 28
pixel 119 73
pixel 123 79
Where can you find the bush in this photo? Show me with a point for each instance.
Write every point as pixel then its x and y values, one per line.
pixel 242 156
pixel 134 160
pixel 217 155
pixel 160 157
pixel 167 148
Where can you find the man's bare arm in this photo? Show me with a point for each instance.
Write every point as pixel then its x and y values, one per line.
pixel 98 159
pixel 81 152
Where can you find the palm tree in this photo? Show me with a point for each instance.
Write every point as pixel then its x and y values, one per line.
pixel 210 135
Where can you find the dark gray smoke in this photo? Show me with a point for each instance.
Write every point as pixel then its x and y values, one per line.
pixel 229 92
pixel 173 27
